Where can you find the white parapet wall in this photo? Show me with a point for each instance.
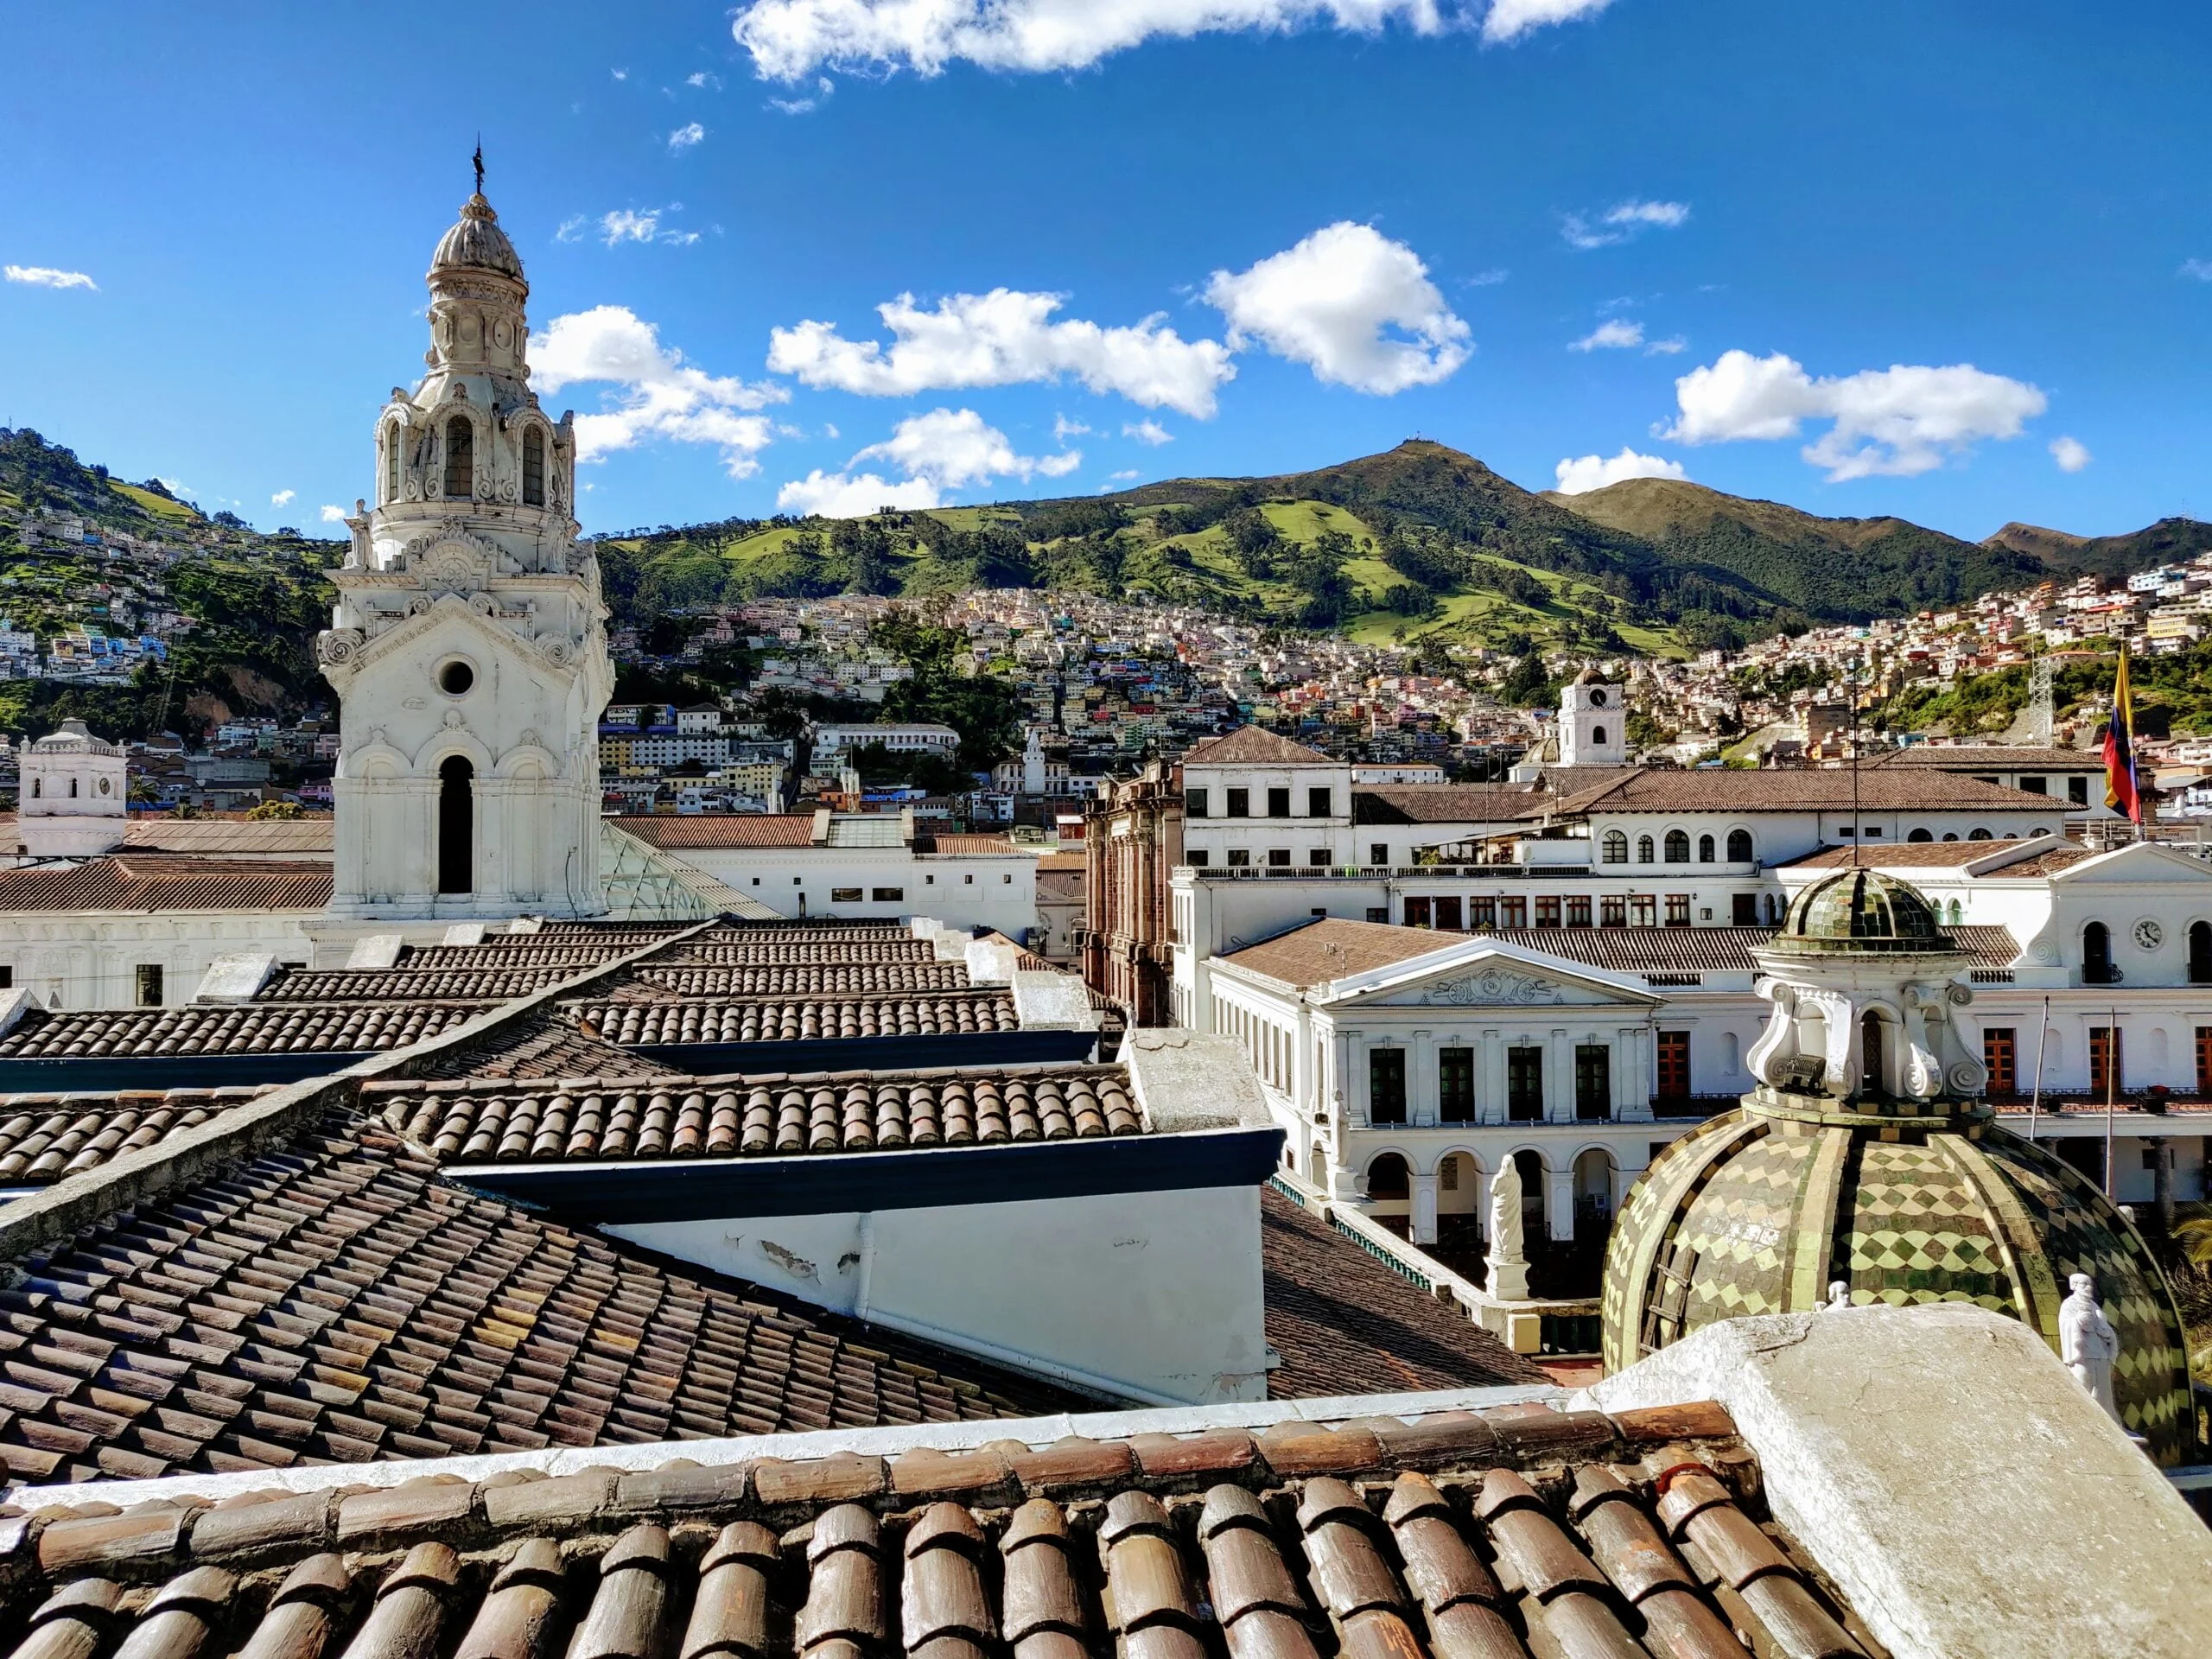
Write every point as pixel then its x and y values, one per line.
pixel 1153 1297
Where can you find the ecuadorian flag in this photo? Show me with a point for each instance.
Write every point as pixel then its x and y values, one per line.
pixel 2120 793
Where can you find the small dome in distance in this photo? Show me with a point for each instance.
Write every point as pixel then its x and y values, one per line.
pixel 1861 910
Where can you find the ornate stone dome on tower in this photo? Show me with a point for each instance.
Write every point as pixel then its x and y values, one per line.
pixel 1864 1156
pixel 477 240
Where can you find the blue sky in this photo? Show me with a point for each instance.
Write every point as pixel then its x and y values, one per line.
pixel 1947 261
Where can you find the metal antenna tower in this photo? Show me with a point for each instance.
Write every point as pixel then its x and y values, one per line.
pixel 2042 709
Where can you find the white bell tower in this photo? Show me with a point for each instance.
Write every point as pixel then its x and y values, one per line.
pixel 467 647
pixel 1592 723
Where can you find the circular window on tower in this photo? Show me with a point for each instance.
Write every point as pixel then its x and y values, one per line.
pixel 107 786
pixel 455 678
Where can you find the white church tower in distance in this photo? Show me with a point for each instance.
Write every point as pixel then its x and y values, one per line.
pixel 1592 723
pixel 468 646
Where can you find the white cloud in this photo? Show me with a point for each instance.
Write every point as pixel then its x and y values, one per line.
pixel 705 81
pixel 178 486
pixel 1004 338
pixel 1615 333
pixel 1622 221
pixel 1124 477
pixel 657 394
pixel 833 495
pixel 1151 432
pixel 823 86
pixel 686 136
pixel 790 39
pixel 1586 473
pixel 2071 453
pixel 625 225
pixel 1509 20
pixel 620 74
pixel 1354 305
pixel 2200 269
pixel 952 447
pixel 571 229
pixel 1064 429
pixel 1668 347
pixel 333 515
pixel 945 449
pixel 46 277
pixel 282 498
pixel 1489 278
pixel 1898 421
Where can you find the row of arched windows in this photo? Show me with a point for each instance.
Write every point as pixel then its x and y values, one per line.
pixel 459 483
pixel 1613 848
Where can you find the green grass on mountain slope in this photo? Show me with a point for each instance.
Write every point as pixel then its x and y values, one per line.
pixel 256 601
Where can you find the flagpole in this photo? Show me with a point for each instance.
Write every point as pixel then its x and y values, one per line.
pixel 2112 1084
pixel 2034 1100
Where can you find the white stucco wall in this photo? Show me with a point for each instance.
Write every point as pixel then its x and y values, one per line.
pixel 961 890
pixel 1148 1296
pixel 90 959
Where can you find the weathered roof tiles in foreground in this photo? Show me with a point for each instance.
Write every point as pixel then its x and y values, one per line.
pixel 333 1302
pixel 1460 1535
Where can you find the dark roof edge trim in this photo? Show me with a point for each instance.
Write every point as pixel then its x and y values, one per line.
pixel 637 1190
pixel 78 1201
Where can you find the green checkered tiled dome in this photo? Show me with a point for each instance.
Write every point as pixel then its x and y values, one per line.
pixel 1861 910
pixel 1758 1211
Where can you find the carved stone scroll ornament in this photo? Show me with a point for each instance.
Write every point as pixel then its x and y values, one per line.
pixel 336 647
pixel 1771 1057
pixel 557 649
pixel 1491 987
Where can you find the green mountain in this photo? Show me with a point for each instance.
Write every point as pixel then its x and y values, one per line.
pixel 1421 543
pixel 2113 558
pixel 256 601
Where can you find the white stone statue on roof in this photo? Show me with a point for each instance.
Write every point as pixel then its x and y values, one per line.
pixel 2088 1343
pixel 1508 1263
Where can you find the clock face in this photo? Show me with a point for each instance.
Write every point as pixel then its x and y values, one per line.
pixel 2148 934
pixel 1597 699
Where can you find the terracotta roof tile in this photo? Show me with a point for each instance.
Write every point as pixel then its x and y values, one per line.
pixel 1434 1540
pixel 724 829
pixel 1332 947
pixel 243 1028
pixel 331 1300
pixel 407 983
pixel 1345 1324
pixel 781 1020
pixel 1252 746
pixel 2011 856
pixel 45 1137
pixel 1730 789
pixel 966 846
pixel 1400 803
pixel 153 881
pixel 600 1119
pixel 795 979
pixel 1978 757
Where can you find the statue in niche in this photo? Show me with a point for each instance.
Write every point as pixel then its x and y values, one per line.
pixel 2088 1343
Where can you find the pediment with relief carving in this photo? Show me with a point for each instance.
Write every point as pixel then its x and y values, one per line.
pixel 1492 985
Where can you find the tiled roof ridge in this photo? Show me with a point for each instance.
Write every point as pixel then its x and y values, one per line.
pixel 71 1205
pixel 255 1520
pixel 383 1087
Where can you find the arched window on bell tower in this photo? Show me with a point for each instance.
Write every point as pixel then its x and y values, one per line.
pixel 533 468
pixel 456 826
pixel 390 461
pixel 460 459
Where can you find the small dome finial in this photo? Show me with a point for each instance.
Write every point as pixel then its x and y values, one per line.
pixel 479 159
